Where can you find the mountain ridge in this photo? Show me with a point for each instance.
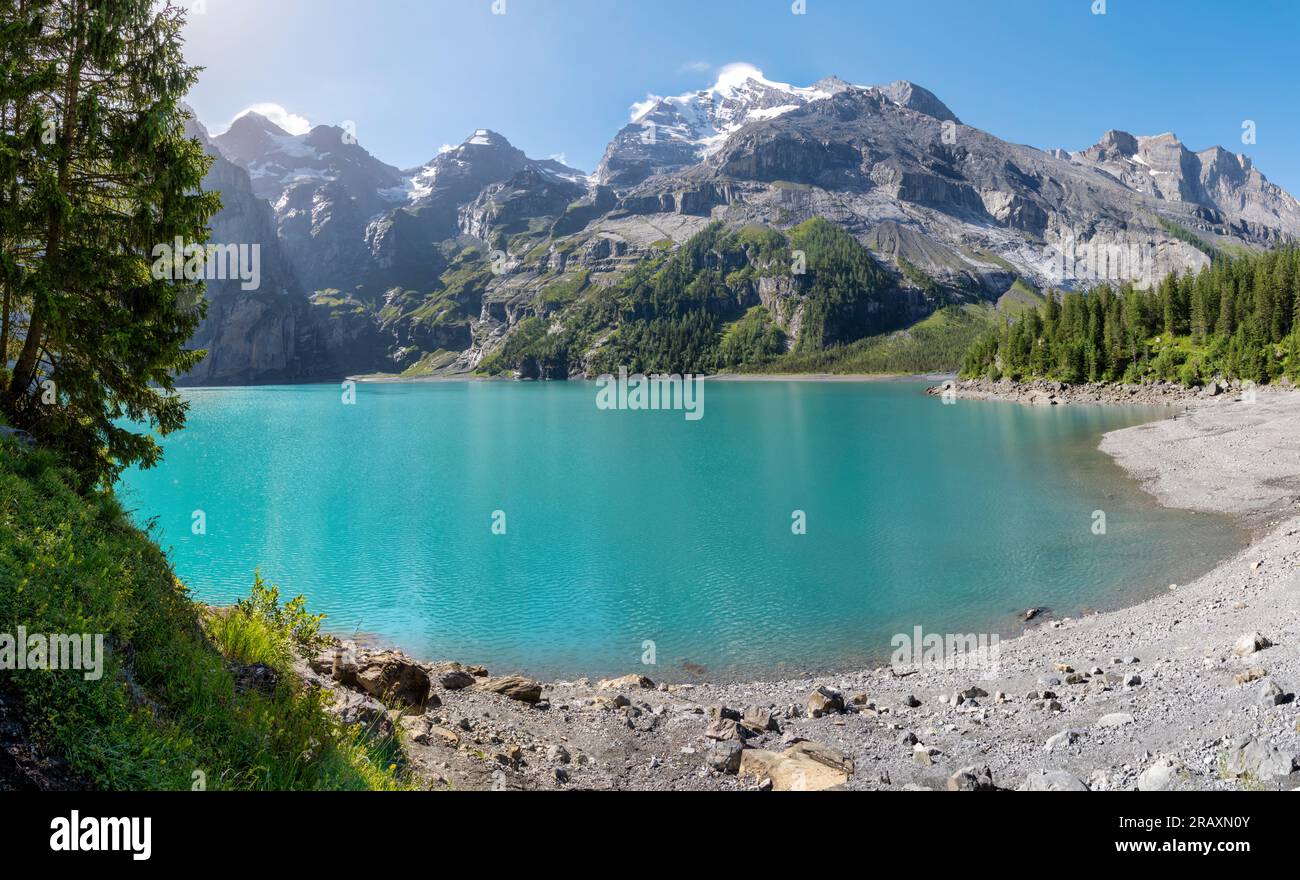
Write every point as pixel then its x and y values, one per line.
pixel 443 262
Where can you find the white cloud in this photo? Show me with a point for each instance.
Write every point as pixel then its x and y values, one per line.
pixel 559 157
pixel 695 67
pixel 640 108
pixel 736 73
pixel 290 122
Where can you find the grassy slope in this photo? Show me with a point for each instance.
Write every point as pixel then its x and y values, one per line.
pixel 166 705
pixel 936 343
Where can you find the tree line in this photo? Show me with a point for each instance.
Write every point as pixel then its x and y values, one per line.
pixel 1233 319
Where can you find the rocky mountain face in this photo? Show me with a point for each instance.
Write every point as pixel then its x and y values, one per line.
pixel 272 333
pixel 433 269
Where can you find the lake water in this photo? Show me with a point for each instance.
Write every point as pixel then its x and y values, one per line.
pixel 628 527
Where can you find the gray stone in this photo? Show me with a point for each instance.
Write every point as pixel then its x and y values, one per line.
pixel 1270 694
pixel 1161 775
pixel 1061 740
pixel 1052 780
pixel 725 757
pixel 1247 757
pixel 1249 644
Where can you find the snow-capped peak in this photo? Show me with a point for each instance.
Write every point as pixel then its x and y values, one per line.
pixel 740 95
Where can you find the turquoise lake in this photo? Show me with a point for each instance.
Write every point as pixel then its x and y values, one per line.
pixel 626 527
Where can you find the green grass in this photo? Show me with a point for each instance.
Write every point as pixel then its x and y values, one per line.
pixel 932 345
pixel 1020 297
pixel 430 364
pixel 166 708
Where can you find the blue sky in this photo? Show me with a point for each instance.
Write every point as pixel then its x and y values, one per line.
pixel 559 76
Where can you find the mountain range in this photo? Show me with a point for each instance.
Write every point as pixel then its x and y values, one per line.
pixel 368 268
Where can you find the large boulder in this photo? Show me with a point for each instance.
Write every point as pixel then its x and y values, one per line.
pixel 790 770
pixel 825 701
pixel 393 677
pixel 453 676
pixel 1248 758
pixel 516 687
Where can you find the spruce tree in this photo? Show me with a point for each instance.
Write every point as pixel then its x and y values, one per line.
pixel 111 176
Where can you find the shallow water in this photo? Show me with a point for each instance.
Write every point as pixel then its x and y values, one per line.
pixel 624 528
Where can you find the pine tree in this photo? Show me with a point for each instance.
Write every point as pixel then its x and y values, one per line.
pixel 103 337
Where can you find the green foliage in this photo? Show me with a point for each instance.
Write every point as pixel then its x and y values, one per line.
pixel 95 172
pixel 693 310
pixel 299 630
pixel 1182 233
pixel 166 704
pixel 934 344
pixel 844 290
pixel 1235 319
pixel 754 339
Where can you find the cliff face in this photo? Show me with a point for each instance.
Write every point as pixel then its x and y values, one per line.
pixel 274 332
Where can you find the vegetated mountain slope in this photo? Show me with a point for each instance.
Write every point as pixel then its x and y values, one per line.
pixel 483 258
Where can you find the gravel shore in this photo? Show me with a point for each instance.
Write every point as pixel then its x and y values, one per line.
pixel 1191 689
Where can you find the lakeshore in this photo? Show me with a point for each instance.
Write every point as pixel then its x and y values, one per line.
pixel 1191 689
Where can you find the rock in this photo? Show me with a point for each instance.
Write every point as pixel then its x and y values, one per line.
pixel 1064 668
pixel 516 687
pixel 1250 643
pixel 760 719
pixel 453 676
pixel 416 728
pixel 445 736
pixel 825 701
pixel 1052 780
pixel 391 676
pixel 557 754
pixel 256 677
pixel 1247 757
pixel 724 729
pixel 628 681
pixel 1132 680
pixel 823 754
pixel 908 739
pixel 1270 694
pixel 355 709
pixel 725 757
pixel 1115 719
pixel 973 692
pixel 1253 674
pixel 790 772
pixel 1031 613
pixel 923 756
pixel 1161 775
pixel 323 663
pixel 1061 740
pixel 911 701
pixel 971 779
